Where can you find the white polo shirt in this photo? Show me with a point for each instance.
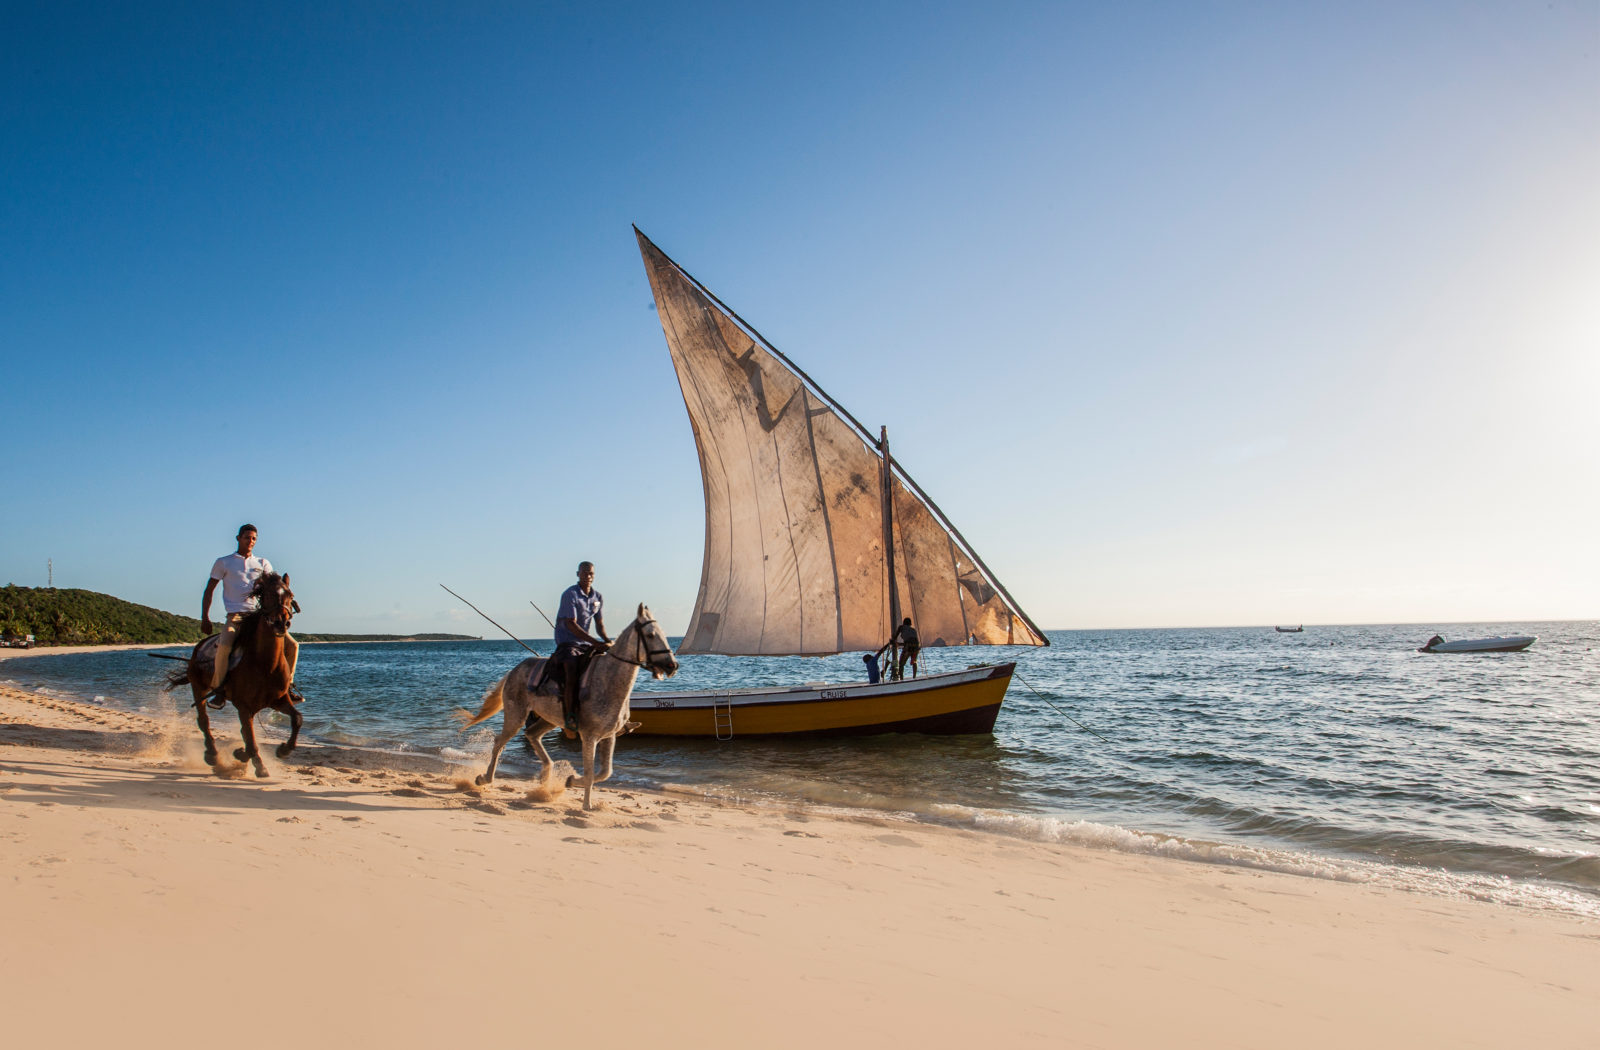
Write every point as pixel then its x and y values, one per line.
pixel 238 575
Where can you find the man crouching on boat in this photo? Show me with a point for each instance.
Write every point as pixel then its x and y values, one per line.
pixel 580 609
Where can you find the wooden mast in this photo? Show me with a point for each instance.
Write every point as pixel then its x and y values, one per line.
pixel 888 543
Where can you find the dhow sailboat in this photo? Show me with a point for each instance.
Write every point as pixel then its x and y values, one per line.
pixel 816 542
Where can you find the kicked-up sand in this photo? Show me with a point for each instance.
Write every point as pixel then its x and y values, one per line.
pixel 149 901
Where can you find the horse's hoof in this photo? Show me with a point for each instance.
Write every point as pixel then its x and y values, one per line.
pixel 284 750
pixel 571 781
pixel 262 774
pixel 240 753
pixel 481 780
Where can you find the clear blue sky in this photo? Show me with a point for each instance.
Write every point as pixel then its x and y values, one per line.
pixel 1185 313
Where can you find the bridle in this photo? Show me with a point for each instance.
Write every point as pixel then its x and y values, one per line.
pixel 642 645
pixel 283 609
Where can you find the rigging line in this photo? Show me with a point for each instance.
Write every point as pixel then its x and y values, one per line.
pixel 994 580
pixel 485 615
pixel 541 613
pixel 1058 710
pixel 747 326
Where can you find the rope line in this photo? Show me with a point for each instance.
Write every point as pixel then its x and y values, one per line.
pixel 1057 710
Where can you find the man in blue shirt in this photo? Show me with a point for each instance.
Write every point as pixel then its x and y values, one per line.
pixel 579 611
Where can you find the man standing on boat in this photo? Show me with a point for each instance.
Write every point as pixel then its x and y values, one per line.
pixel 903 647
pixel 238 572
pixel 909 646
pixel 580 609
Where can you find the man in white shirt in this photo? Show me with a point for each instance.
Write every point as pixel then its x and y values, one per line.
pixel 238 573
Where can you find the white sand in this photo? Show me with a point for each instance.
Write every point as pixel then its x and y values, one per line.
pixel 150 901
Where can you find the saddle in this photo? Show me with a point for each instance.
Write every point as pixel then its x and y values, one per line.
pixel 555 673
pixel 207 652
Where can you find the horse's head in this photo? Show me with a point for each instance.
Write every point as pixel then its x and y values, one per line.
pixel 277 601
pixel 654 651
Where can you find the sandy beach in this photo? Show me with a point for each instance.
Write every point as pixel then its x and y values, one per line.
pixel 62 650
pixel 151 900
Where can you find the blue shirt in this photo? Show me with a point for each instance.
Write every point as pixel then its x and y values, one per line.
pixel 580 608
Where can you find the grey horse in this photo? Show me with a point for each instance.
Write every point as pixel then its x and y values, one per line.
pixel 602 706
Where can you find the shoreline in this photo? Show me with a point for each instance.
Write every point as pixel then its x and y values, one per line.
pixel 65 650
pixel 1533 891
pixel 410 906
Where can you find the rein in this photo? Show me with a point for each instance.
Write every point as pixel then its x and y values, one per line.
pixel 642 646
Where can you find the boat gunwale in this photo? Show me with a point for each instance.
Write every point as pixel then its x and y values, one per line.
pixel 797 694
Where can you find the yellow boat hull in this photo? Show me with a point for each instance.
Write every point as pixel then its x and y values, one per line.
pixel 956 702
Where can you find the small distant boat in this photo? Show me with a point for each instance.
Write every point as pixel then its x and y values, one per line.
pixel 1514 644
pixel 1290 630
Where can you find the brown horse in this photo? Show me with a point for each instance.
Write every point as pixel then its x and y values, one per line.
pixel 258 674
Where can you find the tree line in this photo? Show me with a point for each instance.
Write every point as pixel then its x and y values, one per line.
pixel 70 616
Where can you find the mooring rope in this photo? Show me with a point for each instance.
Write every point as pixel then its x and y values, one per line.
pixel 1057 710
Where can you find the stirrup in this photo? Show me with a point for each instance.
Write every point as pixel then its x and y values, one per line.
pixel 569 718
pixel 295 696
pixel 217 699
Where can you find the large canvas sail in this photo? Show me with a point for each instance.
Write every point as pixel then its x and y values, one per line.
pixel 795 562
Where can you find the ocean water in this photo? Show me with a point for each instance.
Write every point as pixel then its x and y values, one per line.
pixel 1338 753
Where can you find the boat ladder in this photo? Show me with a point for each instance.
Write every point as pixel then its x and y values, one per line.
pixel 722 717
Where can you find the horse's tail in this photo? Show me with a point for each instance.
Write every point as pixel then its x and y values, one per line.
pixel 493 701
pixel 176 678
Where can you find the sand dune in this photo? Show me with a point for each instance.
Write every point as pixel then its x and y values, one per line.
pixel 150 900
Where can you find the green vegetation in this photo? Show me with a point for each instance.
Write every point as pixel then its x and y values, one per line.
pixel 67 616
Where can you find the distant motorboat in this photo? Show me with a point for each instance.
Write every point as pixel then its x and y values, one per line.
pixel 1290 630
pixel 1514 644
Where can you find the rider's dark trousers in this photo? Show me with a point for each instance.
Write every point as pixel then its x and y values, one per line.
pixel 566 661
